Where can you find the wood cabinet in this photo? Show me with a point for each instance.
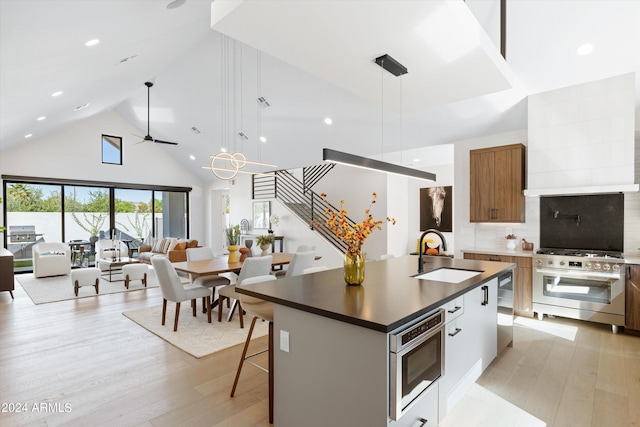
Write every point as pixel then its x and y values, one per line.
pixel 497 184
pixel 6 271
pixel 522 277
pixel 632 298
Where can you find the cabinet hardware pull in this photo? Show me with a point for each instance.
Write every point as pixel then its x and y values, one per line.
pixel 453 334
pixel 485 290
pixel 454 310
pixel 424 421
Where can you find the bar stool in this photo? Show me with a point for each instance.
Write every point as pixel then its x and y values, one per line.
pixel 259 309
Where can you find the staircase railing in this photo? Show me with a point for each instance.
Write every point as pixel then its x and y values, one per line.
pixel 306 204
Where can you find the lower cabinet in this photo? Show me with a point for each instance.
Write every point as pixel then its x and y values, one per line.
pixel 523 280
pixel 424 413
pixel 6 271
pixel 471 344
pixel 632 298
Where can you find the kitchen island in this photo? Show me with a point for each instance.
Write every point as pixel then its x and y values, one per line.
pixel 332 363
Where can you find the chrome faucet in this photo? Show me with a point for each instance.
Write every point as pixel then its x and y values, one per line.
pixel 420 260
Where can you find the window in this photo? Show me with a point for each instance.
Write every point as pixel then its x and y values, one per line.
pixel 111 149
pixel 72 211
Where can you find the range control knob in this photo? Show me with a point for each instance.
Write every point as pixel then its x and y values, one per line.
pixel 539 262
pixel 597 266
pixel 561 262
pixel 587 265
pixel 616 267
pixel 550 262
pixel 606 267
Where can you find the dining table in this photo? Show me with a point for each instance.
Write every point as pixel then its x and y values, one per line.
pixel 221 264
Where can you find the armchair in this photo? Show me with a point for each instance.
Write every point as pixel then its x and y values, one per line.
pixel 51 259
pixel 106 248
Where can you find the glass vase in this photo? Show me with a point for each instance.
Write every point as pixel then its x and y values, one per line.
pixel 354 268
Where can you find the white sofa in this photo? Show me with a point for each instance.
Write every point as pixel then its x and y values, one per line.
pixel 51 259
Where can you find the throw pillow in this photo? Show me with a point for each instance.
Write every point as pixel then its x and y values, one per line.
pixel 180 246
pixel 161 246
pixel 192 243
pixel 173 244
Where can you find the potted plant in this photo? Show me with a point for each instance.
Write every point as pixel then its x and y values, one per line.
pixel 264 242
pixel 94 223
pixel 233 238
pixel 274 220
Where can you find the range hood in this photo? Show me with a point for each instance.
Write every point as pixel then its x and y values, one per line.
pixel 581 139
pixel 571 191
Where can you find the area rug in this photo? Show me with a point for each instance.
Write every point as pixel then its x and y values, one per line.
pixel 59 288
pixel 195 335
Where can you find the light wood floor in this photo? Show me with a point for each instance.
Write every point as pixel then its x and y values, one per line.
pixel 111 372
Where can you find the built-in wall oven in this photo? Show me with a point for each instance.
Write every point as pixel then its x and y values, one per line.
pixel 416 361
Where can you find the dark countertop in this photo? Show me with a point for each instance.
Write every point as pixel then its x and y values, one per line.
pixel 388 297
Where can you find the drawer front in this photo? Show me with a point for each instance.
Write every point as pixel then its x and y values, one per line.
pixel 453 309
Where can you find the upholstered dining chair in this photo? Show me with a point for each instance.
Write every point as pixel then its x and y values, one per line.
pixel 259 309
pixel 299 262
pixel 210 281
pixel 315 269
pixel 173 290
pixel 252 267
pixel 300 248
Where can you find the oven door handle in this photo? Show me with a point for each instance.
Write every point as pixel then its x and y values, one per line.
pixel 581 274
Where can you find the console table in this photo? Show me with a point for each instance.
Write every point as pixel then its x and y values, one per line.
pixel 6 271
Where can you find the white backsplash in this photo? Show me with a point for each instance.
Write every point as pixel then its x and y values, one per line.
pixel 492 236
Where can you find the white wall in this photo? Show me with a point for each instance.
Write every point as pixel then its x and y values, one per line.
pixel 75 153
pixel 583 135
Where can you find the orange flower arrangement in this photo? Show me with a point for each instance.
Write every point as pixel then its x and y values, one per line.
pixel 353 235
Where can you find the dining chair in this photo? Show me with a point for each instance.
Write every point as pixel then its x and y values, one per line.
pixel 210 281
pixel 252 267
pixel 299 262
pixel 300 248
pixel 259 309
pixel 315 269
pixel 173 290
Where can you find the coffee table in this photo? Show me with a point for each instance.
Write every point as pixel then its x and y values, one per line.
pixel 115 265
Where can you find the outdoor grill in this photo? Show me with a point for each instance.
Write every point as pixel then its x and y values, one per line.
pixel 22 234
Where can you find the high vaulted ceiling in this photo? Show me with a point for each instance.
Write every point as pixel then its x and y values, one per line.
pixel 316 62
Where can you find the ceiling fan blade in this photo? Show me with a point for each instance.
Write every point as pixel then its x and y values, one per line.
pixel 164 142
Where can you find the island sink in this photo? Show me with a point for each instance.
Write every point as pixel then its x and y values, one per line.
pixel 449 275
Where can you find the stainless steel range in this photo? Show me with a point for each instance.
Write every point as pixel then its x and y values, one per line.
pixel 580 284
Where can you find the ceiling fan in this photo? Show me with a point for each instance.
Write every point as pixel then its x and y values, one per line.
pixel 148 137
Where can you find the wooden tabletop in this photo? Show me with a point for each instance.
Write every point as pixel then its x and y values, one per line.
pixel 221 264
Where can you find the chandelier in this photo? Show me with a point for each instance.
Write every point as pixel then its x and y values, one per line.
pixel 227 165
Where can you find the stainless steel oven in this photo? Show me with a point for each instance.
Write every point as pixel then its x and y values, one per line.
pixel 416 361
pixel 580 286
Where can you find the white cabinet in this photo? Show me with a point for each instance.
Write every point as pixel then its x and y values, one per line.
pixel 453 309
pixel 471 342
pixel 424 413
pixel 481 305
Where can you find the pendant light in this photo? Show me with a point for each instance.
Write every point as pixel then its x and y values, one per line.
pixel 227 165
pixel 334 156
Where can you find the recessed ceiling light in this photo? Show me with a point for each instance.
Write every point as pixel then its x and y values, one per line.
pixel 585 49
pixel 263 139
pixel 29 135
pixel 41 118
pixel 328 121
pixel 224 150
pixel 416 160
pixel 58 93
pixel 92 42
pixel 192 157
